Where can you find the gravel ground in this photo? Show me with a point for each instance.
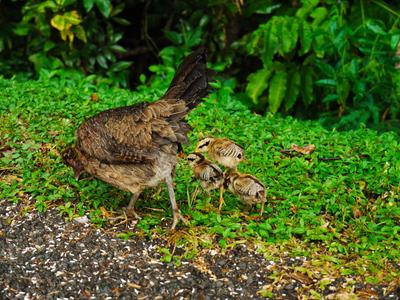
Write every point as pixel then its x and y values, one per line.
pixel 42 256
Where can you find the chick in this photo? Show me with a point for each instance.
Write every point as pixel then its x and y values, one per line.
pixel 249 189
pixel 222 150
pixel 210 175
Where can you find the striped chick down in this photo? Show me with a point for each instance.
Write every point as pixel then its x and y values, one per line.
pixel 247 187
pixel 209 174
pixel 221 150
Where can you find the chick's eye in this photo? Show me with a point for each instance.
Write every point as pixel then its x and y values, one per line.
pixel 204 145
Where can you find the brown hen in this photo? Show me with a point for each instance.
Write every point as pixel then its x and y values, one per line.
pixel 135 147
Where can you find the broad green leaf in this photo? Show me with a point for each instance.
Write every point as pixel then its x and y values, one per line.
pixel 257 83
pixel 66 21
pixel 307 7
pixel 293 27
pixel 319 14
pixel 305 37
pixel 326 82
pixel 394 41
pixel 174 36
pixel 343 90
pixel 102 61
pixel 104 7
pixel 121 21
pixel 253 41
pixel 277 90
pixel 194 38
pixel 293 89
pixel 326 68
pixel 270 42
pixel 118 49
pixel 22 29
pixel 375 27
pixel 88 5
pixel 307 90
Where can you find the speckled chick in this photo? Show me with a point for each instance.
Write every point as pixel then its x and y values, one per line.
pixel 222 150
pixel 209 174
pixel 249 189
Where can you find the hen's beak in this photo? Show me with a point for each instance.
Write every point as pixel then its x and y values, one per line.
pixel 77 174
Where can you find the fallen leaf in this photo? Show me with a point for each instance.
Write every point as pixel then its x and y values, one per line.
pixel 105 213
pixel 304 150
pixel 341 296
pixel 10 178
pixel 94 97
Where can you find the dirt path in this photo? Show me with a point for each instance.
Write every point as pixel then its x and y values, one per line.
pixel 43 256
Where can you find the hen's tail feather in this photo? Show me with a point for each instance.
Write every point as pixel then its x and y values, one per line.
pixel 191 81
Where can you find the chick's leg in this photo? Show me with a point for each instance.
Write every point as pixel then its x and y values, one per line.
pixel 175 210
pixel 130 210
pixel 221 197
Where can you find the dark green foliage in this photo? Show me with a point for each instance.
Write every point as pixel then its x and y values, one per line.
pixel 332 60
pixel 343 197
pixel 329 56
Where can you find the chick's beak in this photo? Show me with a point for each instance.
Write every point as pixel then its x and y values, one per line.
pixel 182 154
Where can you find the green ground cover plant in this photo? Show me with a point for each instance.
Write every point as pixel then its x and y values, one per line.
pixel 341 202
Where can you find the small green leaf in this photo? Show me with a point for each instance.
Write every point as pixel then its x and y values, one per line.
pixel 121 65
pixel 330 98
pixel 277 90
pixel 257 83
pixel 80 33
pixel 104 7
pixel 88 5
pixel 102 61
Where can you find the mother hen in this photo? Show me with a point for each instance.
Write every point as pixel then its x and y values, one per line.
pixel 135 147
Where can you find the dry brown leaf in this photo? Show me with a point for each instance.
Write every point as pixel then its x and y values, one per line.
pixel 342 296
pixel 104 212
pixel 94 97
pixel 10 178
pixel 304 150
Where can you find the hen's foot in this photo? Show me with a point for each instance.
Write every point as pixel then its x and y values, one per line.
pixel 131 213
pixel 178 217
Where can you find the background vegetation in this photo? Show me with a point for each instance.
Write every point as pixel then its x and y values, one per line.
pixel 340 202
pixel 331 60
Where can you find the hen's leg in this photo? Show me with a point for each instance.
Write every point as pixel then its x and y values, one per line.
pixel 130 210
pixel 175 210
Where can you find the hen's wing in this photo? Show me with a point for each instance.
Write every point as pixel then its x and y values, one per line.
pixel 134 133
pixel 137 133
